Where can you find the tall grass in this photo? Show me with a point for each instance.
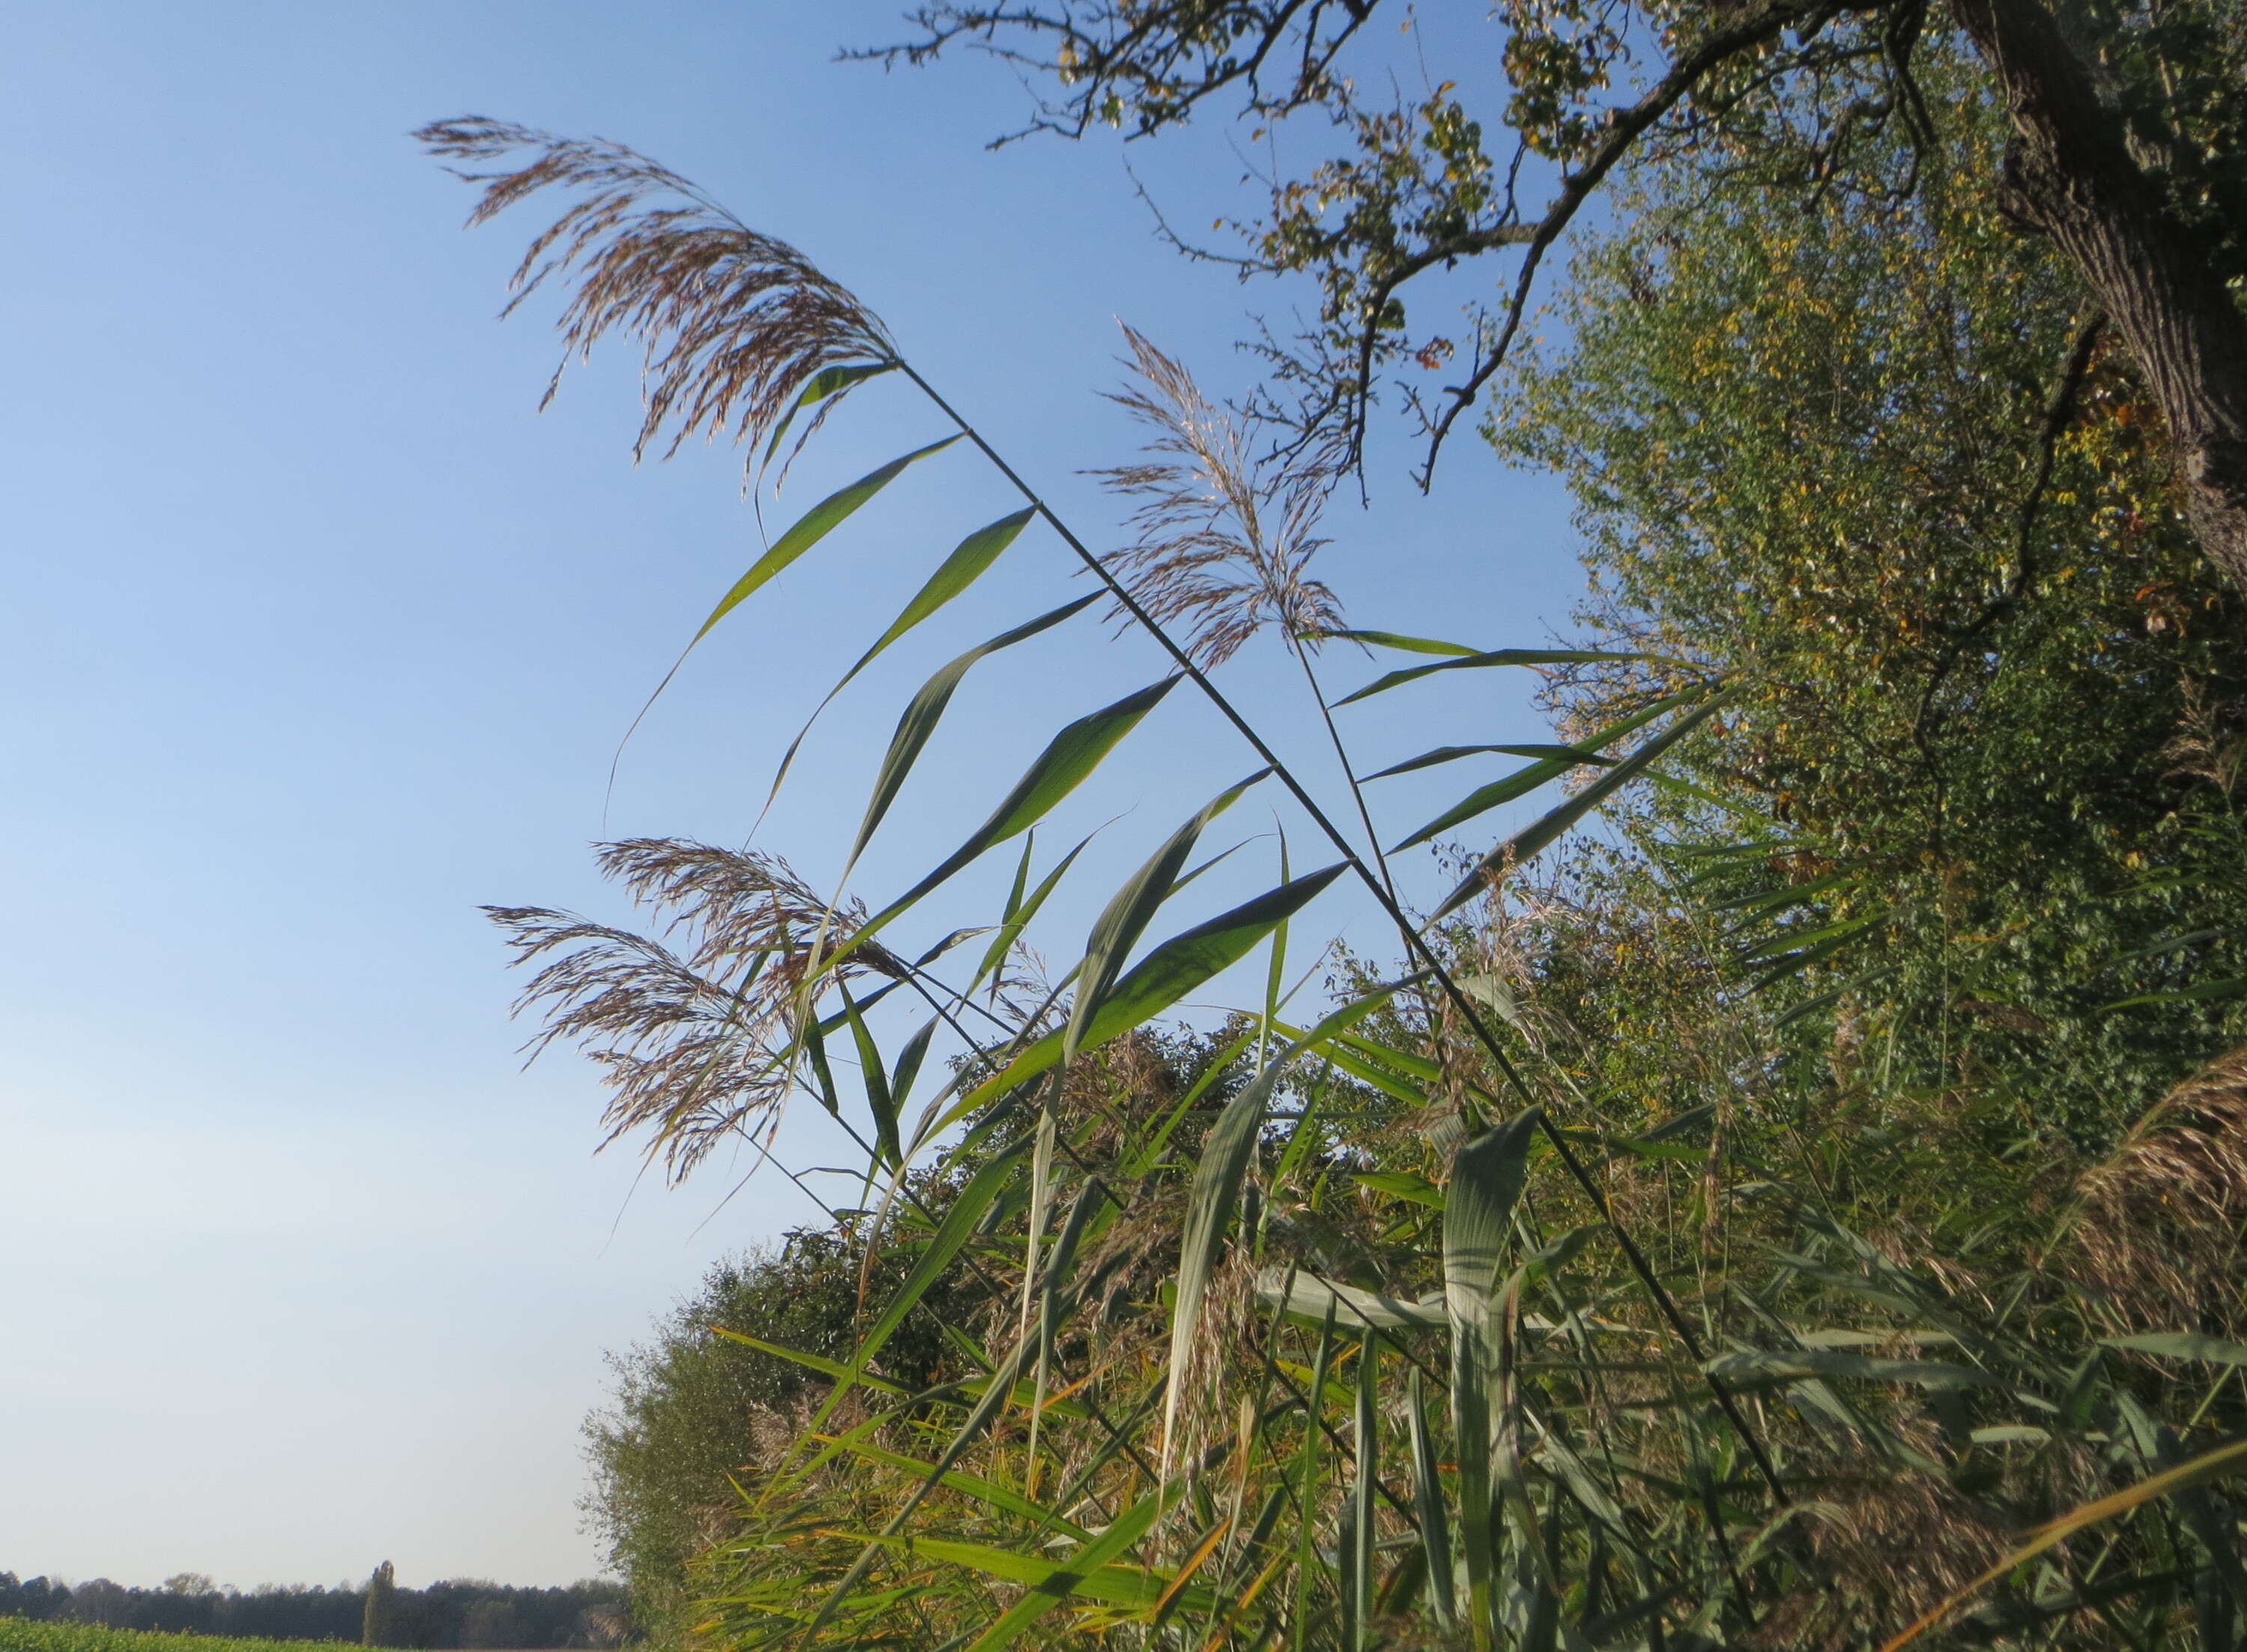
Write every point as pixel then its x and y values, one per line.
pixel 1419 1338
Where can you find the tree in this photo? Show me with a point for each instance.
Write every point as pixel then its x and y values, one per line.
pixel 35 1598
pixel 1864 461
pixel 379 1626
pixel 2128 151
pixel 100 1600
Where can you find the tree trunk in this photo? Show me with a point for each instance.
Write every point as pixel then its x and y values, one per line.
pixel 2070 174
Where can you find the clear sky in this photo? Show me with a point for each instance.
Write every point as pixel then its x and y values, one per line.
pixel 313 637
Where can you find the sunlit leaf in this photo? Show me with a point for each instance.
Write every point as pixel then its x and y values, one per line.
pixel 1476 662
pixel 1390 640
pixel 1488 1175
pixel 1522 781
pixel 922 716
pixel 1570 756
pixel 1128 913
pixel 1524 845
pixel 1316 1300
pixel 1068 760
pixel 2183 1345
pixel 812 527
pixel 1165 976
pixel 828 381
pixel 2220 1464
pixel 960 570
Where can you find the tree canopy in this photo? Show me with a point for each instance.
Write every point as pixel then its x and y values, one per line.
pixel 2126 150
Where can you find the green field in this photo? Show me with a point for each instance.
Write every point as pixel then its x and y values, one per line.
pixel 22 1634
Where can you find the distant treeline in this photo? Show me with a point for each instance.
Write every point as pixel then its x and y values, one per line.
pixel 459 1612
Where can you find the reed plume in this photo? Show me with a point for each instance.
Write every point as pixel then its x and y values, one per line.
pixel 696 1042
pixel 1223 543
pixel 2159 1238
pixel 733 324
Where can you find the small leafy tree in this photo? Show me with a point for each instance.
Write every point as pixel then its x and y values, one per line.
pixel 380 1625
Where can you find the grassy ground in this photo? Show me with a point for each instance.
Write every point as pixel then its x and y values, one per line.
pixel 22 1634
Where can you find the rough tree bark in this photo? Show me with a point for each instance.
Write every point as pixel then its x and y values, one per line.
pixel 2070 174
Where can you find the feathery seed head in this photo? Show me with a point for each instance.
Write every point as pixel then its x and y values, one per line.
pixel 696 1042
pixel 733 324
pixel 1224 543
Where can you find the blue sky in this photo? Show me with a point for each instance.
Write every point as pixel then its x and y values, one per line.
pixel 313 637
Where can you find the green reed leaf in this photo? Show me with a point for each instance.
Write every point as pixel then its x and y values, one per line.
pixel 1050 1582
pixel 1133 907
pixel 880 1101
pixel 1428 1508
pixel 820 1363
pixel 1020 910
pixel 1488 1175
pixel 1365 1473
pixel 1390 640
pixel 1570 756
pixel 1527 844
pixel 2183 1345
pixel 937 1256
pixel 909 1063
pixel 1002 1498
pixel 1164 976
pixel 927 710
pixel 1068 760
pixel 1405 1184
pixel 2230 988
pixel 960 570
pixel 996 1393
pixel 1476 662
pixel 2220 1464
pixel 1213 1200
pixel 1083 1572
pixel 828 381
pixel 812 527
pixel 1315 1301
pixel 1522 781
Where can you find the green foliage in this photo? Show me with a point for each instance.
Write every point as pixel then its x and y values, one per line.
pixel 1758 1228
pixel 456 1612
pixel 1381 196
pixel 21 1635
pixel 692 1409
pixel 378 1627
pixel 1976 771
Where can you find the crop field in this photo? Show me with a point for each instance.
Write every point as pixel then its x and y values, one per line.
pixel 23 1634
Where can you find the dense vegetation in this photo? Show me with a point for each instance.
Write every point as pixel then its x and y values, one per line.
pixel 1805 1213
pixel 457 1611
pixel 26 1634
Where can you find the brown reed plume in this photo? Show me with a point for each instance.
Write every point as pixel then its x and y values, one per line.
pixel 2159 1234
pixel 696 1042
pixel 1223 543
pixel 733 324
